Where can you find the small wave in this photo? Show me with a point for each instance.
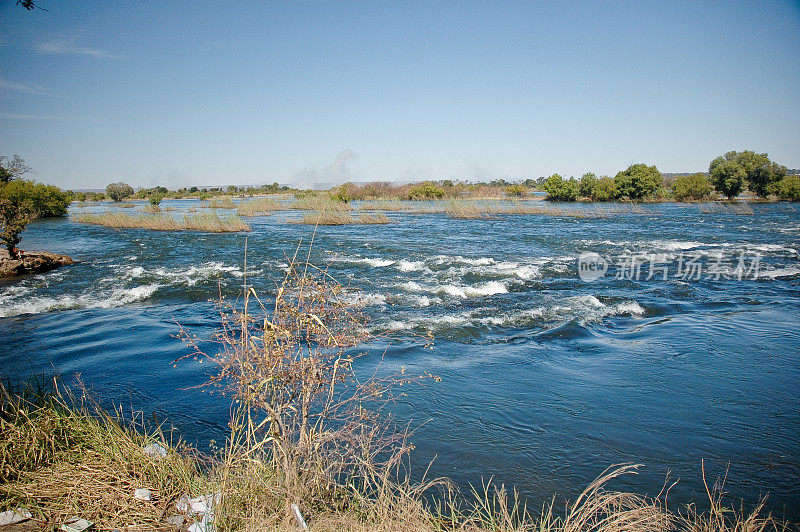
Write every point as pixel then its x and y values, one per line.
pixel 410 266
pixel 17 305
pixel 781 272
pixel 478 290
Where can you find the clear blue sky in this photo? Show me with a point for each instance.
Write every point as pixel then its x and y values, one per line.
pixel 180 93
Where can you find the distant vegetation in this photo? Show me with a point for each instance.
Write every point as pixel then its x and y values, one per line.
pixel 119 191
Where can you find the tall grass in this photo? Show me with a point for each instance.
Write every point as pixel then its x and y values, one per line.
pixel 320 203
pixel 260 206
pixel 326 217
pixel 210 222
pixel 223 203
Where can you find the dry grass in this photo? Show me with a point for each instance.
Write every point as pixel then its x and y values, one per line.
pixel 385 205
pixel 61 456
pixel 320 203
pixel 162 222
pixel 326 217
pixel 471 209
pixel 260 206
pixel 726 207
pixel 222 203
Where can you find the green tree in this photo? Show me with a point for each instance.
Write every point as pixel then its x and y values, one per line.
pixel 760 173
pixel 119 191
pixel 788 188
pixel 727 176
pixel 638 181
pixel 692 187
pixel 13 167
pixel 43 200
pixel 560 189
pixel 587 184
pixel 605 189
pixel 155 199
pixel 14 217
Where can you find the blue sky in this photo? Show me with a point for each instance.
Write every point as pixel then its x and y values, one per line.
pixel 181 93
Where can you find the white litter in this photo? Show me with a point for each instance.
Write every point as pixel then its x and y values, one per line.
pixel 299 517
pixel 155 450
pixel 204 525
pixel 76 524
pixel 175 520
pixel 204 504
pixel 14 516
pixel 142 494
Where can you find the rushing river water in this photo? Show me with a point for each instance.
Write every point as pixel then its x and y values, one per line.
pixel 545 379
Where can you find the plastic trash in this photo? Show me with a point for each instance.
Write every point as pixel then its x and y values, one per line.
pixel 182 504
pixel 204 525
pixel 14 516
pixel 155 450
pixel 299 517
pixel 76 524
pixel 204 504
pixel 175 520
pixel 142 494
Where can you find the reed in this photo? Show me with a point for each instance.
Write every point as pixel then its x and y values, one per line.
pixel 327 217
pixel 223 203
pixel 260 206
pixel 385 205
pixel 320 203
pixel 210 222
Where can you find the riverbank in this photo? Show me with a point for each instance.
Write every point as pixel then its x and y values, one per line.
pixel 62 455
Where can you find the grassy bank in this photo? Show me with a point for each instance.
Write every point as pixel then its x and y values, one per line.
pixel 163 222
pixel 63 456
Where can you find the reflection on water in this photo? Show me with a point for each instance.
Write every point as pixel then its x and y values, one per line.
pixel 546 380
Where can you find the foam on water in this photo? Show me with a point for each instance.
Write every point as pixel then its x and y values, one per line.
pixel 15 303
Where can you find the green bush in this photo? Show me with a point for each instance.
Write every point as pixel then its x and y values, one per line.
pixel 560 189
pixel 425 191
pixel 119 191
pixel 605 189
pixel 692 187
pixel 760 173
pixel 155 199
pixel 638 181
pixel 516 191
pixel 97 196
pixel 788 188
pixel 342 193
pixel 587 184
pixel 43 200
pixel 728 177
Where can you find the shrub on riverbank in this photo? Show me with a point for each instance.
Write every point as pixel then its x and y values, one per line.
pixel 44 200
pixel 692 187
pixel 638 181
pixel 788 188
pixel 560 189
pixel 165 222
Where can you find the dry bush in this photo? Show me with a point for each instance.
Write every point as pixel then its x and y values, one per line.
pixel 307 428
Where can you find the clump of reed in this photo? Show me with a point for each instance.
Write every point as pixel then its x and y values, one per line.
pixel 742 208
pixel 62 456
pixel 210 222
pixel 320 203
pixel 328 217
pixel 152 209
pixel 124 204
pixel 260 206
pixel 223 203
pixel 467 210
pixel 384 205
